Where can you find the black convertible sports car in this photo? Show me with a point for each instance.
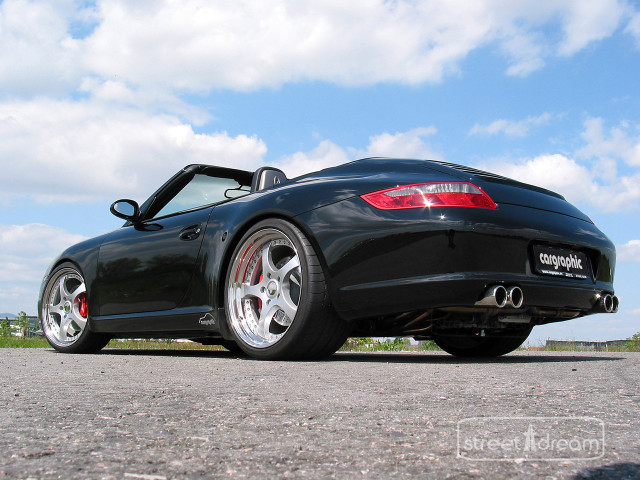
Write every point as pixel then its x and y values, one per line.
pixel 281 268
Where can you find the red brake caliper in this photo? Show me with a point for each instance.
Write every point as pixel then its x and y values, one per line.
pixel 83 307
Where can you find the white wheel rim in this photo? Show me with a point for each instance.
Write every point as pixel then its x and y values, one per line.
pixel 64 309
pixel 264 288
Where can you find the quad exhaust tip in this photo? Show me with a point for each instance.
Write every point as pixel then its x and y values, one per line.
pixel 515 297
pixel 609 303
pixel 499 296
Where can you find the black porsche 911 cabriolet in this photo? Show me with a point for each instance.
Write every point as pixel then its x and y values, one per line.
pixel 288 269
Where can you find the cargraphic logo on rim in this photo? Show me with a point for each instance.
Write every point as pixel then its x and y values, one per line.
pixel 530 438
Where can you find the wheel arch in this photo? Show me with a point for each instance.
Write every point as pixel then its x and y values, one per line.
pixel 55 264
pixel 84 257
pixel 225 263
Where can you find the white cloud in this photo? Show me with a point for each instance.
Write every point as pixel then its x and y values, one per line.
pixel 197 45
pixel 577 183
pixel 326 154
pixel 70 151
pixel 243 45
pixel 629 252
pixel 526 51
pixel 555 172
pixel 152 100
pixel 249 44
pixel 633 27
pixel 588 21
pixel 512 128
pixel 37 54
pixel 408 144
pixel 25 253
pixel 603 173
pixel 622 141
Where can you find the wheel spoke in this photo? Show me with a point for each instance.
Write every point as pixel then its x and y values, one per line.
pixel 264 322
pixel 79 289
pixel 268 268
pixel 287 303
pixel 55 308
pixel 63 333
pixel 253 291
pixel 80 321
pixel 62 290
pixel 289 267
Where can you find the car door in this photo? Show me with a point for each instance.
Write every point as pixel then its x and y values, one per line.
pixel 148 266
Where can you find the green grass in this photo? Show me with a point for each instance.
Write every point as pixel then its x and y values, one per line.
pixel 351 345
pixel 160 344
pixel 573 347
pixel 164 344
pixel 366 344
pixel 19 342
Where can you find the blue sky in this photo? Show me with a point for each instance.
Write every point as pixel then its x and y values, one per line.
pixel 103 100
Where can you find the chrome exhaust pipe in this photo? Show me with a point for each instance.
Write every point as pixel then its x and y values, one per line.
pixel 616 303
pixel 606 301
pixel 496 296
pixel 515 297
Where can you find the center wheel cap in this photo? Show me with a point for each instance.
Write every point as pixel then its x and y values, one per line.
pixel 67 307
pixel 272 288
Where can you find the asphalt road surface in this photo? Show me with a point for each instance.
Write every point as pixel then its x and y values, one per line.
pixel 156 415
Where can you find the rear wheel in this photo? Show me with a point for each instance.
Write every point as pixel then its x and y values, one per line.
pixel 65 317
pixel 232 347
pixel 475 344
pixel 276 296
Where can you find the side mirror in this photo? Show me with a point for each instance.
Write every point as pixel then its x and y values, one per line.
pixel 126 209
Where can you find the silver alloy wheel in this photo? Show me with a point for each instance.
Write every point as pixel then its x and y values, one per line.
pixel 264 288
pixel 64 310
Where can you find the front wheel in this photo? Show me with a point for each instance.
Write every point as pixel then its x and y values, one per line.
pixel 276 297
pixel 478 343
pixel 64 313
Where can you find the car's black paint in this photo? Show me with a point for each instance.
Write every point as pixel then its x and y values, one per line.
pixel 158 277
pixel 380 262
pixel 149 266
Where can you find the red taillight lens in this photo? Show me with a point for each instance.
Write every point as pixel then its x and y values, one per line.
pixel 423 195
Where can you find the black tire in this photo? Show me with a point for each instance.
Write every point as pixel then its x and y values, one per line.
pixel 473 344
pixel 64 312
pixel 232 347
pixel 276 296
pixel 228 344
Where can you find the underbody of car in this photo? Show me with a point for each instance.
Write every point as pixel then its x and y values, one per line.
pixel 289 268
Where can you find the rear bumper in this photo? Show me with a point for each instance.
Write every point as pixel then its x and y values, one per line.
pixel 462 291
pixel 389 262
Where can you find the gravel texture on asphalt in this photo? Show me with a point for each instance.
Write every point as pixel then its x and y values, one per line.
pixel 191 414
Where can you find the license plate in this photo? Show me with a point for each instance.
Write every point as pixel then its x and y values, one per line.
pixel 560 262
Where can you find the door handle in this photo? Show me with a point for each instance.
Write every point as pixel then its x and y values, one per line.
pixel 190 233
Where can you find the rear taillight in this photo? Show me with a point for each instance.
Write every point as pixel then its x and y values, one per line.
pixel 424 195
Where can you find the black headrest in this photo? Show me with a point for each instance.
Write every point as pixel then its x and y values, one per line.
pixel 267 177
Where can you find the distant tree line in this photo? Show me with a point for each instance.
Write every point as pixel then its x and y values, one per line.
pixel 21 325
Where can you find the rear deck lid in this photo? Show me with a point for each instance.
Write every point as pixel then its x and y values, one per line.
pixel 504 190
